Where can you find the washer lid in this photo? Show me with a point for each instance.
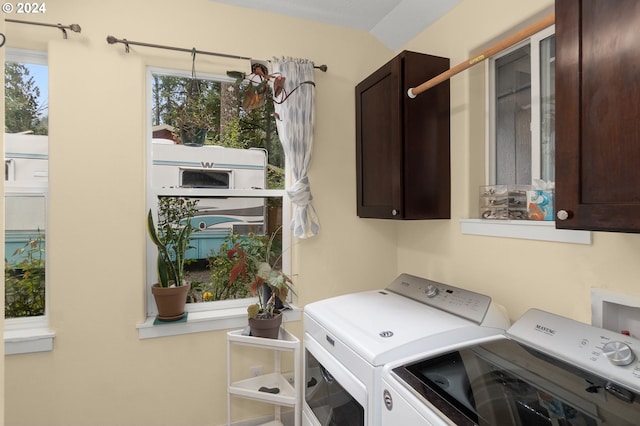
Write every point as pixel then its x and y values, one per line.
pixel 382 326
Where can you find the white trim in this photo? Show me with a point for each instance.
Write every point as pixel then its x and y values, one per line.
pixel 490 131
pixel 615 311
pixel 27 335
pixel 200 192
pixel 36 57
pixel 524 229
pixel 536 87
pixel 173 72
pixel 534 125
pixel 200 321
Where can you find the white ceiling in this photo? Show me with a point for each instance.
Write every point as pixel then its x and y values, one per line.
pixel 393 22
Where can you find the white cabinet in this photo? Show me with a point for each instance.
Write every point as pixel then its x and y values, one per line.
pixel 288 383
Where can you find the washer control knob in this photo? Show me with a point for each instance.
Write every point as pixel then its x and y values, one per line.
pixel 431 291
pixel 618 353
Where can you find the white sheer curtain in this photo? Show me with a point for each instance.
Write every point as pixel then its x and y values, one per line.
pixel 295 123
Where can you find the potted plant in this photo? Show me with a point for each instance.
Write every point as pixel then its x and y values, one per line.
pixel 194 118
pixel 172 240
pixel 263 87
pixel 267 281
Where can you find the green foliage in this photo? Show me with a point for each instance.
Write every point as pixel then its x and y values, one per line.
pixel 24 294
pixel 260 265
pixel 220 266
pixel 231 125
pixel 275 177
pixel 232 135
pixel 172 237
pixel 21 101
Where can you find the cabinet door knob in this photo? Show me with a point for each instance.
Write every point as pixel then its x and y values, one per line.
pixel 395 212
pixel 563 215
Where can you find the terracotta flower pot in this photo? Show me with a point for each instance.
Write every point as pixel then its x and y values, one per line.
pixel 170 301
pixel 268 328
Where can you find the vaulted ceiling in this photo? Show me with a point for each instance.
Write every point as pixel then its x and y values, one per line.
pixel 393 22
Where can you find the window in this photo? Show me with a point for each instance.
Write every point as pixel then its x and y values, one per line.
pixel 26 199
pixel 521 137
pixel 236 177
pixel 523 112
pixel 26 183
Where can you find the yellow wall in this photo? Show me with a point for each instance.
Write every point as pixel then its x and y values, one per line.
pixel 100 373
pixel 520 274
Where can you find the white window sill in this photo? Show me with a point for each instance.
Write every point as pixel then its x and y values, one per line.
pixel 524 229
pixel 199 321
pixel 27 335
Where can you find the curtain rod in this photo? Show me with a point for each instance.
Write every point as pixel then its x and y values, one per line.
pixel 73 27
pixel 113 40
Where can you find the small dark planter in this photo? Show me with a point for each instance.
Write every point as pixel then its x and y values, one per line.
pixel 268 328
pixel 170 301
pixel 266 295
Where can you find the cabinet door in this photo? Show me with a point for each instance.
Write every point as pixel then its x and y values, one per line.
pixel 598 115
pixel 379 143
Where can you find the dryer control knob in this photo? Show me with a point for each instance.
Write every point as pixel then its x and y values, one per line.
pixel 431 291
pixel 618 353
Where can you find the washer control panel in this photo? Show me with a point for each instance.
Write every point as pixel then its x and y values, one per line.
pixel 463 303
pixel 609 354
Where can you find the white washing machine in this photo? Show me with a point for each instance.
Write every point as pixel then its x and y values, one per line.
pixel 348 339
pixel 546 370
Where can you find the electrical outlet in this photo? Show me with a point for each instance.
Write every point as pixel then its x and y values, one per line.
pixel 256 371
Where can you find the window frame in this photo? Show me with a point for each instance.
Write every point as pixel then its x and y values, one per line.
pixel 203 316
pixel 30 334
pixel 535 124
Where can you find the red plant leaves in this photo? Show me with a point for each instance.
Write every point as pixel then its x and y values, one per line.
pixel 255 285
pixel 240 267
pixel 278 85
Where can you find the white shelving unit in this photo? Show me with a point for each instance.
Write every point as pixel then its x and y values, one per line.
pixel 290 394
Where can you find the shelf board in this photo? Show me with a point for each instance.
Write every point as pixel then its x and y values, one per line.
pixel 248 388
pixel 285 340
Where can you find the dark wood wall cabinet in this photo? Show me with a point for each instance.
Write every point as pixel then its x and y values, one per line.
pixel 598 115
pixel 402 144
